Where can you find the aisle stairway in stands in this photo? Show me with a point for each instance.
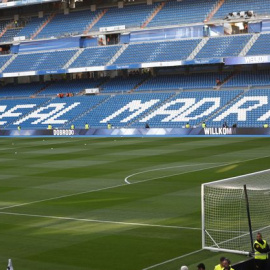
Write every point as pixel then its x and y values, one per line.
pixel 223 108
pixel 94 21
pixel 154 108
pixel 214 10
pixel 249 44
pixel 91 108
pixel 156 10
pixel 47 20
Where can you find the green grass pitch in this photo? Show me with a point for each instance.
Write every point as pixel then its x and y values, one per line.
pixel 65 205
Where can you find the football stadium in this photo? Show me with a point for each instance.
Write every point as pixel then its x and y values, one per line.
pixel 134 134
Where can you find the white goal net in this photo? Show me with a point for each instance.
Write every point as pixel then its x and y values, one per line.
pixel 225 224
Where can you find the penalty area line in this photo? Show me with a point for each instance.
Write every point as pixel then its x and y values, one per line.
pixel 160 177
pixel 174 259
pixel 101 221
pixel 165 168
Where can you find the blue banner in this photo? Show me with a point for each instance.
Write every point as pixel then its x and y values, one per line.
pixel 141 132
pixel 266 26
pixel 203 61
pixel 55 44
pixel 24 3
pixel 245 60
pixel 89 42
pixel 58 71
pixel 166 34
pixel 254 27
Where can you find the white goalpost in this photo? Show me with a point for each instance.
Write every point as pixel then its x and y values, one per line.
pixel 232 215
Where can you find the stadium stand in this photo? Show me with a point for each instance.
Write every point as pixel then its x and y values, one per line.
pixel 96 56
pixel 182 12
pixel 223 46
pixel 3 60
pixel 190 106
pixel 74 86
pixel 164 99
pixel 119 84
pixel 122 110
pixel 66 109
pixel 20 90
pixel 259 7
pixel 15 108
pixel 182 81
pixel 260 47
pixel 129 16
pixel 40 61
pixel 10 34
pixel 31 27
pixel 250 110
pixel 157 51
pixel 67 25
pixel 249 78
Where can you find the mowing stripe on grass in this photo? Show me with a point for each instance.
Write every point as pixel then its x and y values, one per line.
pixel 121 185
pixel 101 221
pixel 95 190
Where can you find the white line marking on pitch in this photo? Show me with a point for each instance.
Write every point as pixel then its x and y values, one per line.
pixel 69 195
pixel 230 163
pixel 61 197
pixel 121 185
pixel 101 221
pixel 222 164
pixel 174 259
pixel 160 169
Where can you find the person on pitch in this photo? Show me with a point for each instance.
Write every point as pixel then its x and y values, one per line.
pixel 261 253
pixel 220 265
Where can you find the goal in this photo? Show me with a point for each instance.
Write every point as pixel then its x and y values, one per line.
pixel 225 221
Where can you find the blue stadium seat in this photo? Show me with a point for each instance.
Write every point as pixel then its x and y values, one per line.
pixel 157 51
pixel 95 56
pixel 223 46
pixel 52 60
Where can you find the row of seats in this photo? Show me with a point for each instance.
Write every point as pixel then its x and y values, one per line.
pixel 40 61
pixel 139 83
pixel 137 53
pixel 173 13
pixel 250 110
pixel 76 22
pixel 258 6
pixel 160 110
pixel 157 51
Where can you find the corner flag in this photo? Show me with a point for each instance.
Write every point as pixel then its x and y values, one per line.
pixel 10 267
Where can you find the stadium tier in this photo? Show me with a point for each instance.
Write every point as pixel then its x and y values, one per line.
pixel 21 90
pixel 250 110
pixel 31 27
pixel 224 46
pixel 182 12
pixel 120 84
pixel 258 6
pixel 172 110
pixel 95 56
pixel 130 16
pixel 260 47
pixel 74 87
pixel 67 25
pixel 10 34
pixel 136 53
pixel 40 61
pixel 157 51
pixel 180 81
pixel 3 60
pixel 57 112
